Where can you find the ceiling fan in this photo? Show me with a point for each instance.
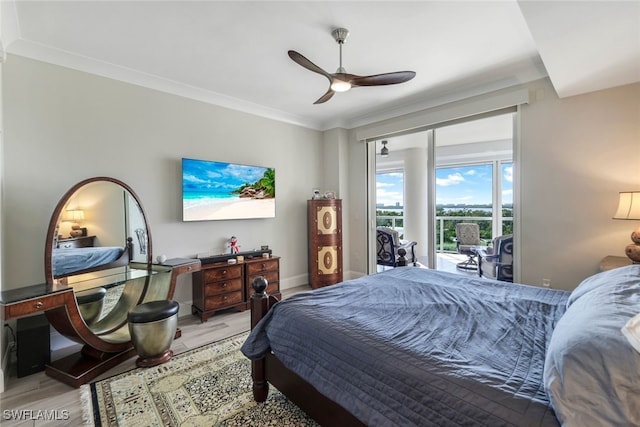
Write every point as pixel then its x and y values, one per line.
pixel 341 81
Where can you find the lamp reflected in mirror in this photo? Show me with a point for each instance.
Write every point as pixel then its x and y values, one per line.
pixel 74 216
pixel 629 208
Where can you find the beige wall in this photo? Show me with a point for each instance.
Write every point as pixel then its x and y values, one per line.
pixel 63 126
pixel 577 153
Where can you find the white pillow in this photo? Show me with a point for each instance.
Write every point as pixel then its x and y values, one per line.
pixel 631 330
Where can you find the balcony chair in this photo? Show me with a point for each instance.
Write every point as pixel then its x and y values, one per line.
pixel 388 243
pixel 468 242
pixel 496 262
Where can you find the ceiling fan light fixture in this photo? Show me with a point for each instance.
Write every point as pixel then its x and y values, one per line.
pixel 341 81
pixel 340 85
pixel 384 151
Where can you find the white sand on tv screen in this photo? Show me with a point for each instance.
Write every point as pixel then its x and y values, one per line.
pixel 234 209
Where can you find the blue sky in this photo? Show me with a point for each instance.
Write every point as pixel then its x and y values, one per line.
pixel 217 177
pixel 459 185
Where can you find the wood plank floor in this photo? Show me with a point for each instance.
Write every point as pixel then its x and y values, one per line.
pixel 38 392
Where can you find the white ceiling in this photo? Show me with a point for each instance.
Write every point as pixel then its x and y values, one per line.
pixel 234 53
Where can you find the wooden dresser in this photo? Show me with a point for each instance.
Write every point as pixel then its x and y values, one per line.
pixel 324 221
pixel 220 286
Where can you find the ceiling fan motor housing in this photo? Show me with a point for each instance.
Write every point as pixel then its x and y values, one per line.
pixel 340 34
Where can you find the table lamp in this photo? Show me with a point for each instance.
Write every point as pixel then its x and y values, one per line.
pixel 629 208
pixel 73 216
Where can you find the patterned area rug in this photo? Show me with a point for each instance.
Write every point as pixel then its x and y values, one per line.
pixel 208 386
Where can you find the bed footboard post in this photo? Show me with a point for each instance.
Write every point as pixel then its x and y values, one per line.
pixel 259 308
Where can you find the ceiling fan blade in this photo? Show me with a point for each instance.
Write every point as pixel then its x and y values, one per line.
pixel 383 79
pixel 301 60
pixel 324 98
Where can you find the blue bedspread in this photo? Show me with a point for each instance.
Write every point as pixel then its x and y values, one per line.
pixel 69 260
pixel 412 346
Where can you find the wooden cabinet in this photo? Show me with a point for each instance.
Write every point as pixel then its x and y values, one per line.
pixel 219 286
pixel 324 221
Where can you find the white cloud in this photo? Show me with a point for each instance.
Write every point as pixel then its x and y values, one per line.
pixel 380 185
pixel 452 179
pixel 388 198
pixel 470 172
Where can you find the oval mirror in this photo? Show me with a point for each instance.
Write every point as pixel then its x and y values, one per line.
pixel 97 226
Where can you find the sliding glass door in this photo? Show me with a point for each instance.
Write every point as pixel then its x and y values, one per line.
pixel 473 184
pixel 428 181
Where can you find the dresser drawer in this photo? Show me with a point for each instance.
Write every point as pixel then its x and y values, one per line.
pixel 223 300
pixel 259 267
pixel 223 286
pixel 273 288
pixel 222 273
pixel 35 305
pixel 271 276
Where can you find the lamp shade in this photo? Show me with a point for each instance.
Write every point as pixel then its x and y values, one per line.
pixel 73 215
pixel 628 205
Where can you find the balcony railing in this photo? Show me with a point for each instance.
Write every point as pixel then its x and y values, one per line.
pixel 442 245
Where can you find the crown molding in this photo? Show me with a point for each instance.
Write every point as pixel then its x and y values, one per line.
pixel 76 62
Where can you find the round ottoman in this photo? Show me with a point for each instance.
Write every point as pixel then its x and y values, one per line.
pixel 153 326
pixel 90 303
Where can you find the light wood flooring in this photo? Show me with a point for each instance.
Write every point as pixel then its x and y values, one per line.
pixel 38 392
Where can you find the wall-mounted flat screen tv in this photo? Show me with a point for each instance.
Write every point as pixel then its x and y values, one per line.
pixel 220 190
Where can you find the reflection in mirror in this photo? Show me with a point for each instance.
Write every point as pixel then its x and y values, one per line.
pixel 96 231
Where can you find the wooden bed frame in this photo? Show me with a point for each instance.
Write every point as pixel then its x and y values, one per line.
pixel 270 370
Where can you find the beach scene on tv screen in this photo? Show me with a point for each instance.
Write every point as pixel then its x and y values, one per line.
pixel 218 190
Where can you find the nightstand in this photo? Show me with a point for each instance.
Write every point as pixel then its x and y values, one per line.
pixel 610 262
pixel 76 242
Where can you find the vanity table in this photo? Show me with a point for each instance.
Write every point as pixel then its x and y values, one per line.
pixel 117 272
pixel 107 343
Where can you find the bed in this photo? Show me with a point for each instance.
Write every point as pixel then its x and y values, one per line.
pixel 412 346
pixel 66 261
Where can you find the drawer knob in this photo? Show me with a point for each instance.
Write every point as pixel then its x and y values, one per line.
pixel 224 298
pixel 224 271
pixel 39 305
pixel 264 266
pixel 224 285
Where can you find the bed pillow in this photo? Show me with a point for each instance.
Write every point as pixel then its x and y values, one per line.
pixel 591 372
pixel 623 276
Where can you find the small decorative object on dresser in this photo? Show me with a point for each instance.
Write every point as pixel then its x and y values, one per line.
pixel 324 218
pixel 232 245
